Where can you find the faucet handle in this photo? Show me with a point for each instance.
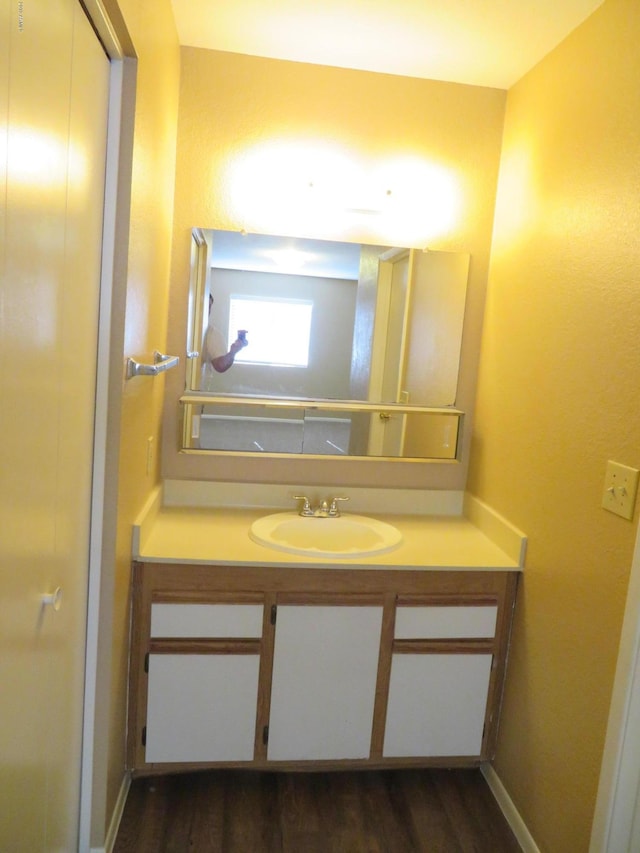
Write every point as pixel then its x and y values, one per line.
pixel 306 506
pixel 333 509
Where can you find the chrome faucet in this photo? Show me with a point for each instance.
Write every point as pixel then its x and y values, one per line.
pixel 324 510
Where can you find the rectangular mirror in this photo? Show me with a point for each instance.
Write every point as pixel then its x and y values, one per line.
pixel 324 321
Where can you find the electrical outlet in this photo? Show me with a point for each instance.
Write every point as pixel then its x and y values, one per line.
pixel 620 489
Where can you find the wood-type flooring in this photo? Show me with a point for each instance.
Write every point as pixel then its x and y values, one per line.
pixel 240 811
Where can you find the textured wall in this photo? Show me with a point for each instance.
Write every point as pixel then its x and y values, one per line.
pixel 558 396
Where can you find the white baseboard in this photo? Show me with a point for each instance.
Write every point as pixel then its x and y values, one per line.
pixel 512 815
pixel 116 817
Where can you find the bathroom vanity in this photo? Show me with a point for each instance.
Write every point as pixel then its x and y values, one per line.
pixel 268 660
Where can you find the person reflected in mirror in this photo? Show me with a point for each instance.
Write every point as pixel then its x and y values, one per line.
pixel 214 349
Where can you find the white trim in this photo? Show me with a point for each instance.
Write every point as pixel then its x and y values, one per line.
pixel 206 493
pixel 100 453
pixel 116 817
pixel 617 818
pixel 496 527
pixel 93 789
pixel 508 809
pixel 145 521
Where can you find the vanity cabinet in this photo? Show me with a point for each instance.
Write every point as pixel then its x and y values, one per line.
pixel 280 667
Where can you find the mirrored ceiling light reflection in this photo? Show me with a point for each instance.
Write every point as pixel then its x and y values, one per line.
pixel 317 188
pixel 288 260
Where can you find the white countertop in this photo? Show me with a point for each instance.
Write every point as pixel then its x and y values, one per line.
pixel 220 536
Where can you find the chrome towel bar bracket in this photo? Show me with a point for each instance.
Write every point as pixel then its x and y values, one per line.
pixel 160 364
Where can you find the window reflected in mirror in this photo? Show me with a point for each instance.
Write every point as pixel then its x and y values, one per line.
pixel 376 323
pixel 280 329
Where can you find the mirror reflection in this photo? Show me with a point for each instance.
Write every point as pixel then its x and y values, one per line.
pixel 325 348
pixel 395 432
pixel 313 319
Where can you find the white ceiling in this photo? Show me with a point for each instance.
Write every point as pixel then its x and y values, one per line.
pixel 480 42
pixel 266 253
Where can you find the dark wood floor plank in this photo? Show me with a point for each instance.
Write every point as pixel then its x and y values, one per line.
pixel 346 788
pixel 207 808
pixel 298 801
pixel 389 828
pixel 238 811
pixel 251 819
pixel 434 832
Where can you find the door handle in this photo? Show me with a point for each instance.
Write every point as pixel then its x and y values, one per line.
pixel 53 599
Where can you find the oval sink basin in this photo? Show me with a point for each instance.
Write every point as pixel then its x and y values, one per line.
pixel 346 536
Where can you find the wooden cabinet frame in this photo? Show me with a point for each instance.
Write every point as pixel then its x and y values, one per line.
pixel 274 586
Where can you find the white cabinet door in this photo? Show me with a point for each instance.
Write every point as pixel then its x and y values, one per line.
pixel 437 704
pixel 202 707
pixel 324 682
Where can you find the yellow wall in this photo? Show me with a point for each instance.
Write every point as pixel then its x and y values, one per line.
pixel 558 396
pixel 233 107
pixel 152 30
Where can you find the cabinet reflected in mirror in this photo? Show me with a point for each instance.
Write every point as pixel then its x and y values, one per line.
pixel 321 430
